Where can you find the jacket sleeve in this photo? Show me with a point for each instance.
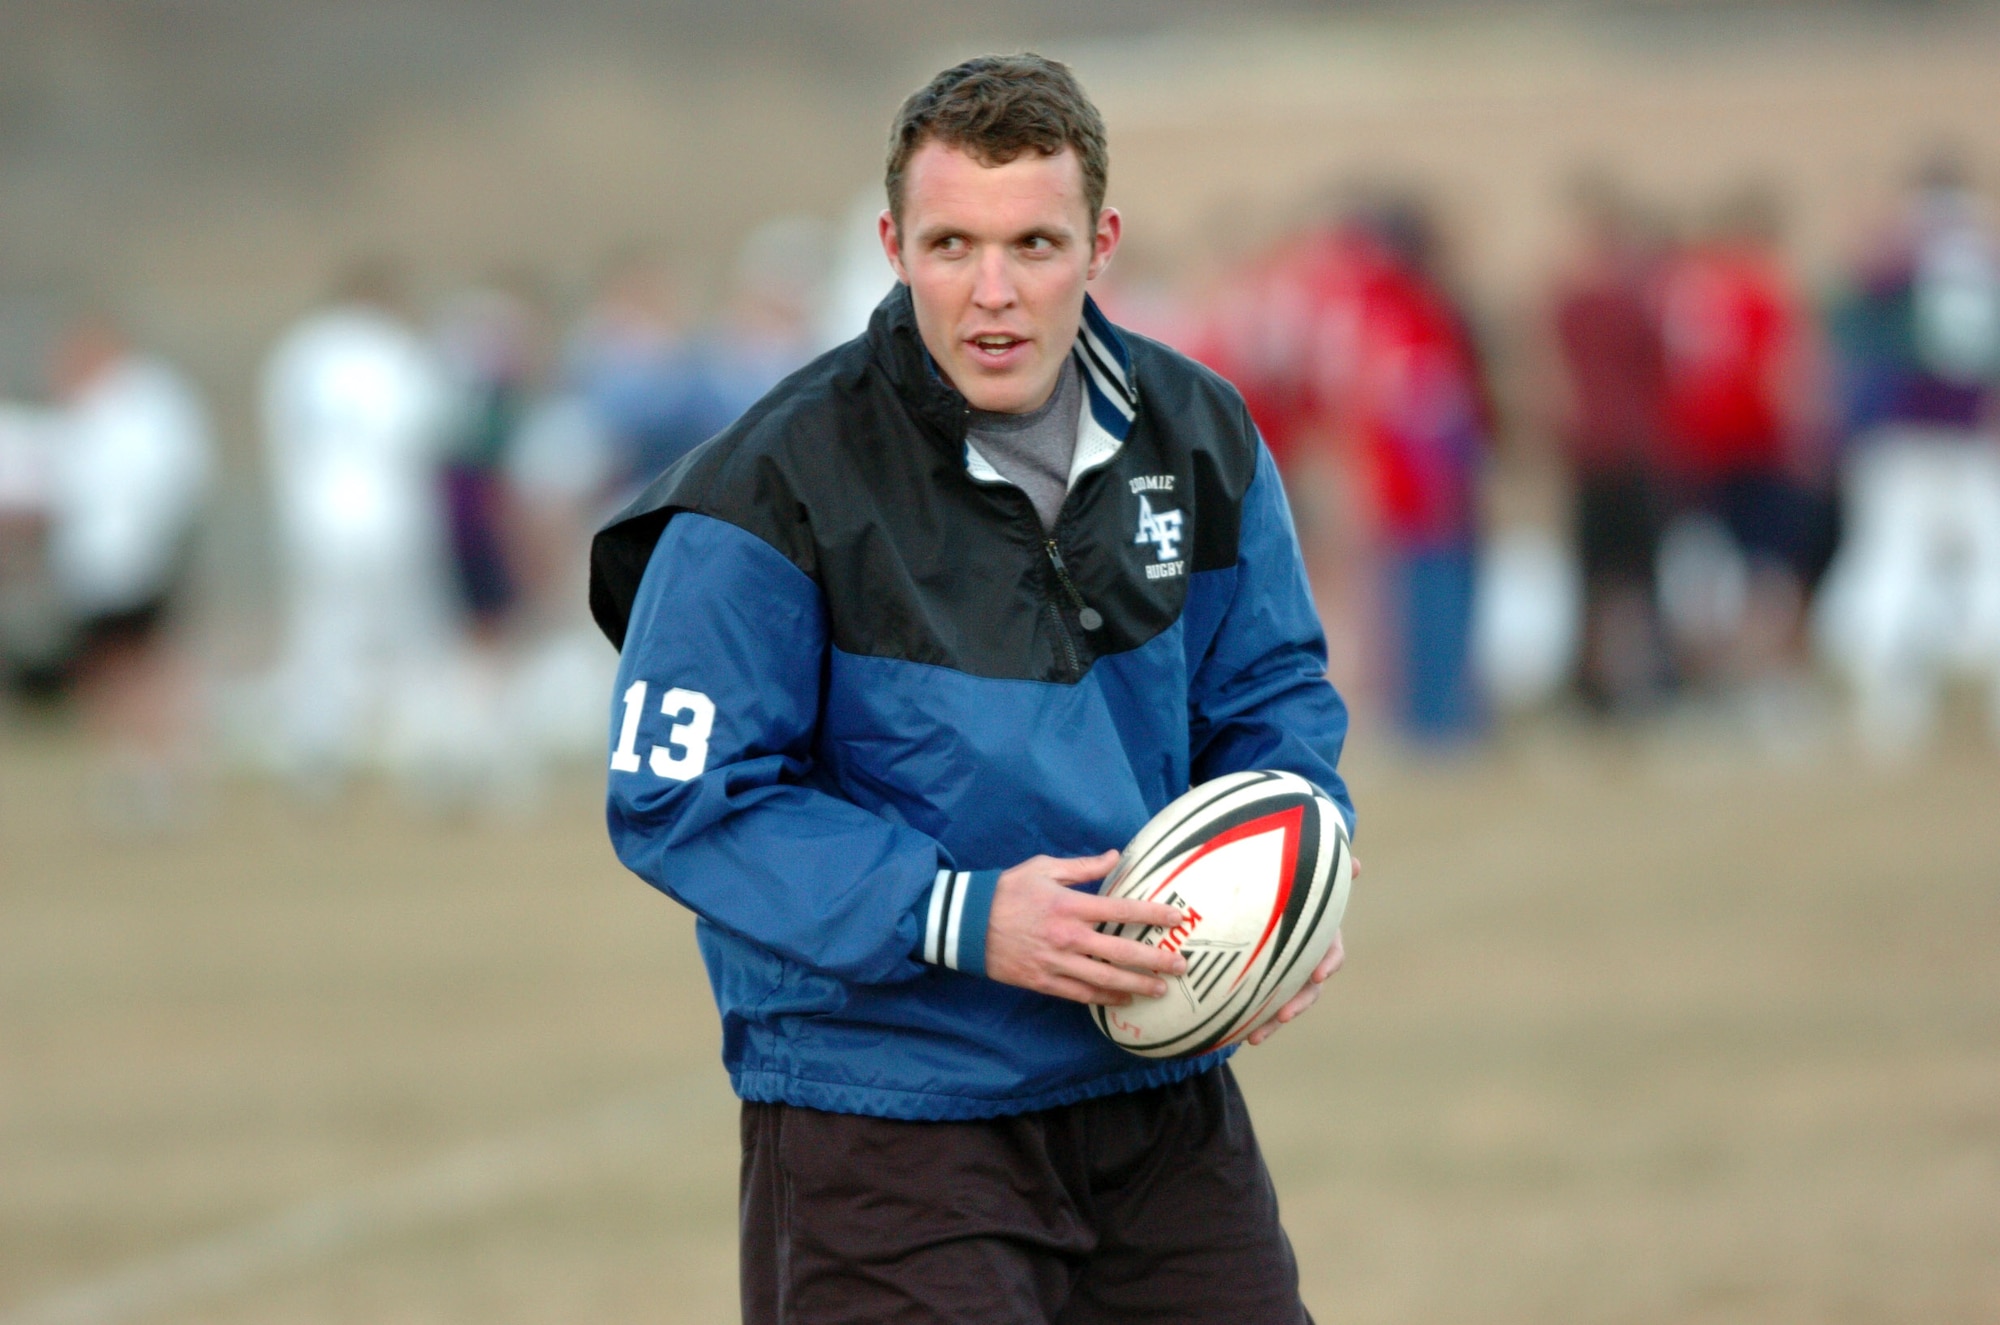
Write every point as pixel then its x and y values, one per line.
pixel 1259 697
pixel 710 793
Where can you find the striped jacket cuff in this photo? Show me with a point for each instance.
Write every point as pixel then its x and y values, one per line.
pixel 955 923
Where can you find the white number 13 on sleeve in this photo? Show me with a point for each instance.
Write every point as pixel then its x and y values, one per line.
pixel 694 718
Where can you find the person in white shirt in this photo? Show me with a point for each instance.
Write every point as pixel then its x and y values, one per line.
pixel 132 463
pixel 356 421
pixel 1914 595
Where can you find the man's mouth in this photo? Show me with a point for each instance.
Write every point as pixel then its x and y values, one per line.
pixel 995 346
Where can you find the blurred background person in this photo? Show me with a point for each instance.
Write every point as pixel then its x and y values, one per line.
pixel 493 360
pixel 1141 292
pixel 537 670
pixel 1260 327
pixel 1737 342
pixel 635 360
pixel 1604 324
pixel 561 471
pixel 356 423
pixel 772 318
pixel 132 462
pixel 1277 324
pixel 857 276
pixel 1365 382
pixel 1916 592
pixel 35 631
pixel 485 346
pixel 1400 371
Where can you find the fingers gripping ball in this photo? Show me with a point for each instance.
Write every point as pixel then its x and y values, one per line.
pixel 1259 863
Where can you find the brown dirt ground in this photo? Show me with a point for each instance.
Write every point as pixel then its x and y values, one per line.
pixel 1632 1031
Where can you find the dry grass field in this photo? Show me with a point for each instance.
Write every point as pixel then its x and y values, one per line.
pixel 1632 1032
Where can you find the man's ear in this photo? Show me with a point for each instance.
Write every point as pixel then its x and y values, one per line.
pixel 1103 243
pixel 892 246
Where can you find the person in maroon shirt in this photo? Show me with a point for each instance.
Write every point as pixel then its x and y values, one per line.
pixel 1606 334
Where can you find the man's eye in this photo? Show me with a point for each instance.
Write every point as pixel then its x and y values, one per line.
pixel 951 244
pixel 1038 244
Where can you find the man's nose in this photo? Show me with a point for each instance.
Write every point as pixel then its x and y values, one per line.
pixel 993 288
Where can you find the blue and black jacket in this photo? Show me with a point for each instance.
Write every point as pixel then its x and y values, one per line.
pixel 859 680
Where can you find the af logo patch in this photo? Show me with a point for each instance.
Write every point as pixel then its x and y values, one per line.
pixel 1160 528
pixel 1163 530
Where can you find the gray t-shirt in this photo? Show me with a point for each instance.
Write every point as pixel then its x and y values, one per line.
pixel 1033 450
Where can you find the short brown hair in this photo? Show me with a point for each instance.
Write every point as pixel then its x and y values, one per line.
pixel 996 107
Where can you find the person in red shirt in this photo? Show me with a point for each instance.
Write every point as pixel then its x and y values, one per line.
pixel 1260 326
pixel 1424 417
pixel 1736 342
pixel 1396 377
pixel 1363 379
pixel 1266 325
pixel 1728 327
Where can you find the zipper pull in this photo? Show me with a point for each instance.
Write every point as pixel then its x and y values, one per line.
pixel 1087 617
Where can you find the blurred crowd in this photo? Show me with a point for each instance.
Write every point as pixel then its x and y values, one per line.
pixel 432 478
pixel 1779 497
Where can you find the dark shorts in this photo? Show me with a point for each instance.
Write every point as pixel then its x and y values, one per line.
pixel 1774 521
pixel 142 623
pixel 1618 525
pixel 130 627
pixel 1153 1206
pixel 473 500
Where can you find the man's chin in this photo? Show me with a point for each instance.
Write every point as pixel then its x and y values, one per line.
pixel 1004 393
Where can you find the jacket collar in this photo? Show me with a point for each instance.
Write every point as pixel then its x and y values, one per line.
pixel 895 344
pixel 1111 396
pixel 1111 392
pixel 1107 363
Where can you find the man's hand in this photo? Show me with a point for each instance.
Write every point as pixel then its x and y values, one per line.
pixel 1043 936
pixel 1335 957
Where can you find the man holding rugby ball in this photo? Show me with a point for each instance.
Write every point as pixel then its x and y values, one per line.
pixel 947 614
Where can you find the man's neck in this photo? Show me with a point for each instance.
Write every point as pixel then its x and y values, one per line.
pixel 1013 420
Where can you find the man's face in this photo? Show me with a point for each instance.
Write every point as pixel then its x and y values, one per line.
pixel 996 258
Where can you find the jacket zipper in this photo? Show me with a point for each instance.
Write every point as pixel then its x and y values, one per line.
pixel 1086 616
pixel 1074 664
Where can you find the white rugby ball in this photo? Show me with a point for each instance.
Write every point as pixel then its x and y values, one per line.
pixel 1259 862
